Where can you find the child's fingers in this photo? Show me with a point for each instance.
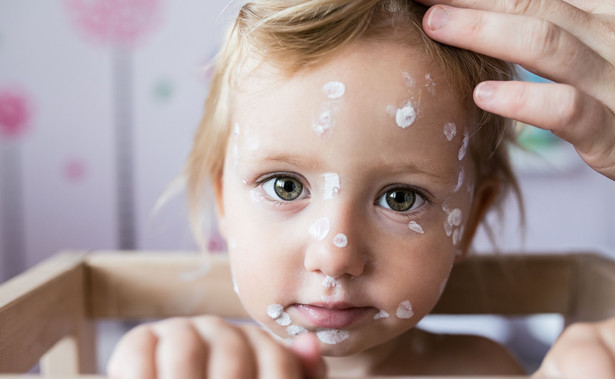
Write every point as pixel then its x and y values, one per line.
pixel 538 45
pixel 306 347
pixel 274 360
pixel 580 352
pixel 134 356
pixel 567 112
pixel 230 352
pixel 180 351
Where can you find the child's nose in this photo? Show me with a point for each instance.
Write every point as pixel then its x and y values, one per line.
pixel 339 253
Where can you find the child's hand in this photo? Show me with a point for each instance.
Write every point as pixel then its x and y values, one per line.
pixel 208 347
pixel 571 42
pixel 582 351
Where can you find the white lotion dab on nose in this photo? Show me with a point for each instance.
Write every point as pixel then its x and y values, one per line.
pixel 404 310
pixel 295 330
pixel 329 282
pixel 320 229
pixel 381 314
pixel 414 226
pixel 334 90
pixel 332 336
pixel 340 240
pixel 332 185
pixel 405 116
pixel 464 145
pixel 450 130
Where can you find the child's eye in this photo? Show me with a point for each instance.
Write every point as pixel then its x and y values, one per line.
pixel 400 200
pixel 283 187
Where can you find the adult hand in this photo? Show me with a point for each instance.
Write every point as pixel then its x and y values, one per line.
pixel 570 42
pixel 582 351
pixel 208 347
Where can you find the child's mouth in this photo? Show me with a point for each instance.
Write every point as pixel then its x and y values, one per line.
pixel 335 316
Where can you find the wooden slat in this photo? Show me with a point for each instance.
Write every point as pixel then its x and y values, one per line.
pixel 509 285
pixel 155 285
pixel 38 309
pixel 594 290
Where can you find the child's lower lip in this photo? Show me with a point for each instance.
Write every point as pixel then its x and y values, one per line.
pixel 323 317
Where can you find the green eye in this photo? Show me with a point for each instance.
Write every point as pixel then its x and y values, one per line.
pixel 283 187
pixel 399 200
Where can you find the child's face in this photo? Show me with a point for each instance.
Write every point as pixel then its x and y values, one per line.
pixel 342 199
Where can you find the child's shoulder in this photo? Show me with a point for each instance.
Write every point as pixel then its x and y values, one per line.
pixel 424 353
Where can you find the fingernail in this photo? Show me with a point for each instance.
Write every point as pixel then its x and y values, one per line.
pixel 484 91
pixel 438 17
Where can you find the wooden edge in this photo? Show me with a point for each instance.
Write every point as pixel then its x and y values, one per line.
pixel 39 308
pixel 594 289
pixel 157 285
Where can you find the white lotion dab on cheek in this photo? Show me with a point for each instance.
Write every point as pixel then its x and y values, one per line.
pixel 334 90
pixel 464 145
pixel 332 185
pixel 459 180
pixel 450 131
pixel 332 336
pixel 340 240
pixel 295 330
pixel 408 80
pixel 320 229
pixel 404 311
pixel 381 315
pixel 275 310
pixel 414 226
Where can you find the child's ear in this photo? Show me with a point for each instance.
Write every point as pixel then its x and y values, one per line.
pixel 484 196
pixel 217 184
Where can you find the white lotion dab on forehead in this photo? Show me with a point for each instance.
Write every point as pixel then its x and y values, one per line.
pixel 414 226
pixel 332 185
pixel 450 131
pixel 334 90
pixel 405 116
pixel 320 229
pixel 332 336
pixel 324 122
pixel 404 311
pixel 340 240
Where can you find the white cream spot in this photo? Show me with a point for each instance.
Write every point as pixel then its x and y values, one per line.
pixel 332 336
pixel 448 229
pixel 430 84
pixel 454 218
pixel 329 282
pixel 275 310
pixel 236 129
pixel 456 237
pixel 332 185
pixel 381 314
pixel 413 225
pixel 450 130
pixel 464 145
pixel 284 319
pixel 405 116
pixel 334 90
pixel 405 310
pixel 340 240
pixel 320 229
pixel 324 122
pixel 459 180
pixel 446 205
pixel 295 330
pixel 408 80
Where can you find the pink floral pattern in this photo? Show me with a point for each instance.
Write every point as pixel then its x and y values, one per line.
pixel 115 21
pixel 14 113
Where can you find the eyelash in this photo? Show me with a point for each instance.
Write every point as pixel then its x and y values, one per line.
pixel 279 202
pixel 410 213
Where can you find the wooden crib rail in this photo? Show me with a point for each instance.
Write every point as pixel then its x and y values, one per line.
pixel 48 313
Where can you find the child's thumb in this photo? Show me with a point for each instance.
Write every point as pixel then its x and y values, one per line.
pixel 305 346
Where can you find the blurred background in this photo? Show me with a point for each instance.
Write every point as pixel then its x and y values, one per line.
pixel 99 100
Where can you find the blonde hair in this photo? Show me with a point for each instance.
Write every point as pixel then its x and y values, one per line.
pixel 301 34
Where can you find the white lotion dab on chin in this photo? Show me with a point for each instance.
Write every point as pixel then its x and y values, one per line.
pixel 404 311
pixel 334 90
pixel 405 116
pixel 332 336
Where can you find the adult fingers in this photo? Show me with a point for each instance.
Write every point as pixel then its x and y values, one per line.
pixel 305 346
pixel 274 360
pixel 134 356
pixel 180 352
pixel 580 352
pixel 539 45
pixel 594 31
pixel 230 353
pixel 563 109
